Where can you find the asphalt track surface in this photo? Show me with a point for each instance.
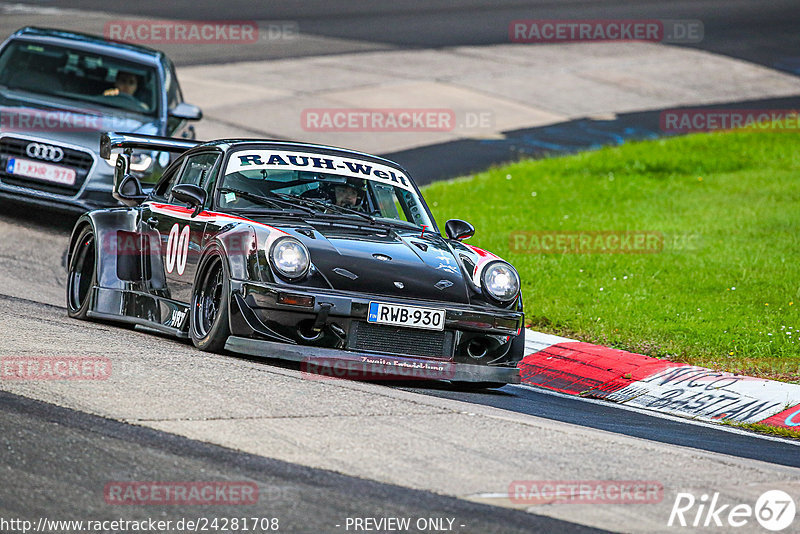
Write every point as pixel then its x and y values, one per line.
pixel 607 416
pixel 61 460
pixel 762 32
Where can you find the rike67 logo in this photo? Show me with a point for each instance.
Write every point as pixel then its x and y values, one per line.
pixel 774 510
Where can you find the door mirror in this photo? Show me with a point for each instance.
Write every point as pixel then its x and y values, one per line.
pixel 192 195
pixel 186 112
pixel 458 229
pixel 127 188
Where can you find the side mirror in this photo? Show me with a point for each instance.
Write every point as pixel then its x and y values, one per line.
pixel 458 229
pixel 192 195
pixel 186 112
pixel 127 188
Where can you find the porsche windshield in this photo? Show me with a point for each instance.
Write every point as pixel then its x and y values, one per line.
pixel 258 186
pixel 78 75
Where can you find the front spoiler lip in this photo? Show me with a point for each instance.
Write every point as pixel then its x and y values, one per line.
pixel 459 316
pixel 321 363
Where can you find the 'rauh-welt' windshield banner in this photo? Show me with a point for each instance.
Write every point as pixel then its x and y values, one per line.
pixel 325 163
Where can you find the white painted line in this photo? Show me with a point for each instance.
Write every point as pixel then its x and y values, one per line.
pixel 724 428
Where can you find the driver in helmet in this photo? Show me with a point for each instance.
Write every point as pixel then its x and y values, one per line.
pixel 349 194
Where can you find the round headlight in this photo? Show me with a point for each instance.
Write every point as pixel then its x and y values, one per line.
pixel 500 281
pixel 290 258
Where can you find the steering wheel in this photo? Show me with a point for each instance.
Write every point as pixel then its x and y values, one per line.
pixel 128 101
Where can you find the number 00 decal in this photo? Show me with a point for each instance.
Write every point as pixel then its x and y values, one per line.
pixel 177 249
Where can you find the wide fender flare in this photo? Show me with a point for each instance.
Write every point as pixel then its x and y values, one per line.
pixel 238 245
pixel 116 241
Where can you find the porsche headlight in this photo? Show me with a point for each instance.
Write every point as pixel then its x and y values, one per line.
pixel 140 162
pixel 500 281
pixel 290 258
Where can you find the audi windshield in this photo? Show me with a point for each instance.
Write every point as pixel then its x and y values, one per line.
pixel 320 184
pixel 74 74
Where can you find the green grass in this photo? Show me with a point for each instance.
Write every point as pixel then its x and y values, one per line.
pixel 728 206
pixel 765 429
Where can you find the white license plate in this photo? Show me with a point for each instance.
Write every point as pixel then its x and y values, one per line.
pixel 408 316
pixel 41 171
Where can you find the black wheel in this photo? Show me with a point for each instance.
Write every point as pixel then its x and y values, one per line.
pixel 81 274
pixel 208 318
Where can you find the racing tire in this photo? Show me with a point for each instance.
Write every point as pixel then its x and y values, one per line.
pixel 208 316
pixel 81 274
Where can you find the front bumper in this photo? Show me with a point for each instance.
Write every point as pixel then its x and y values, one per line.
pixel 336 321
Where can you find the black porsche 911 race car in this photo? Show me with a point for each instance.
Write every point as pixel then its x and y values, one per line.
pixel 304 252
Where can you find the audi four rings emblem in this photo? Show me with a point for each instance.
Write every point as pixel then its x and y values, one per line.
pixel 50 153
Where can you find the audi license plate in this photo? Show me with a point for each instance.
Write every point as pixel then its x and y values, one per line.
pixel 41 171
pixel 408 316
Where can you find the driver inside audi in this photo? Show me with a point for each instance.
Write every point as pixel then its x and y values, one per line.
pixel 125 85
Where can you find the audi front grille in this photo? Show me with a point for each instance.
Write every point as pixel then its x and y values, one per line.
pixel 78 160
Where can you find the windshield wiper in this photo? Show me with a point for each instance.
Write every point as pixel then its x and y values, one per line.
pixel 324 206
pixel 307 202
pixel 351 211
pixel 269 201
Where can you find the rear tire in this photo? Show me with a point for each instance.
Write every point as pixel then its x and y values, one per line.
pixel 81 274
pixel 208 316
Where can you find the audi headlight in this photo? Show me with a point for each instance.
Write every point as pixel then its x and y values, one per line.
pixel 500 281
pixel 140 162
pixel 290 258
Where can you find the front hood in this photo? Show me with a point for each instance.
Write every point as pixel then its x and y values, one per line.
pixel 52 120
pixel 399 263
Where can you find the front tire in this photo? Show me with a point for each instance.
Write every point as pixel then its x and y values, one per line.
pixel 81 274
pixel 208 318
